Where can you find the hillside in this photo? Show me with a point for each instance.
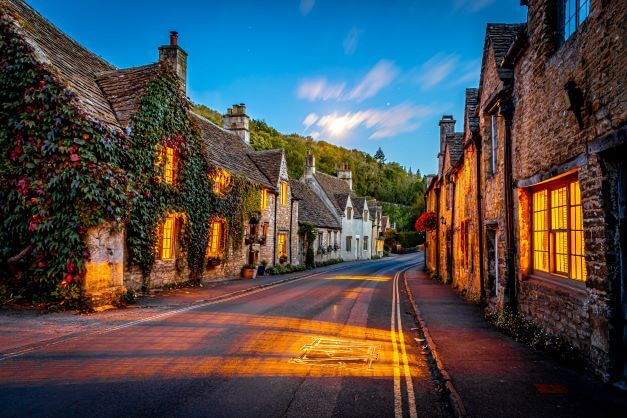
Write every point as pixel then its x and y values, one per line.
pixel 385 181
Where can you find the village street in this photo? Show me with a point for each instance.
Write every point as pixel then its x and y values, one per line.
pixel 322 345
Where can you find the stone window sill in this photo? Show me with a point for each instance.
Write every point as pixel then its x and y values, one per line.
pixel 570 287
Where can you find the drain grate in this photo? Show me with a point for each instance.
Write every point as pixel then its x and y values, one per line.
pixel 338 354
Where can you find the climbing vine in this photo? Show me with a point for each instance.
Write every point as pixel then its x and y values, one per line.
pixel 309 234
pixel 60 174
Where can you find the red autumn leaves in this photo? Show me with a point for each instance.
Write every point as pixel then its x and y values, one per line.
pixel 426 222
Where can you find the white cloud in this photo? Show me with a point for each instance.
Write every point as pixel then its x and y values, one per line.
pixel 310 119
pixel 377 78
pixel 471 5
pixel 306 6
pixel 383 123
pixel 319 89
pixel 315 134
pixel 435 70
pixel 351 41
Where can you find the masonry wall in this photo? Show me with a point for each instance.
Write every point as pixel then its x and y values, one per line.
pixel 466 261
pixel 547 140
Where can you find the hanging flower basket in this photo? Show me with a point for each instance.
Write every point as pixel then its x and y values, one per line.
pixel 426 222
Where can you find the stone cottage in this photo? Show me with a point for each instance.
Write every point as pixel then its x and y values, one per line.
pixel 350 210
pixel 108 102
pixel 548 132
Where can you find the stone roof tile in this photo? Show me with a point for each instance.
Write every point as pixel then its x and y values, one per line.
pixel 470 107
pixel 455 148
pixel 311 209
pixel 269 162
pixel 502 36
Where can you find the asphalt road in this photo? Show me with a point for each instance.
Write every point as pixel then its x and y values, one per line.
pixel 326 345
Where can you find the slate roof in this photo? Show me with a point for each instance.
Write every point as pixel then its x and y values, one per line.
pixel 358 206
pixel 501 37
pixel 454 147
pixel 229 152
pixel 470 107
pixel 372 208
pixel 71 62
pixel 124 89
pixel 337 190
pixel 269 162
pixel 311 209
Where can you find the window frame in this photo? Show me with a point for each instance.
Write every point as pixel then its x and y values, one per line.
pixel 566 20
pixel 172 219
pixel 281 242
pixel 550 186
pixel 349 243
pixel 264 198
pixel 221 181
pixel 221 241
pixel 494 142
pixel 349 213
pixel 170 164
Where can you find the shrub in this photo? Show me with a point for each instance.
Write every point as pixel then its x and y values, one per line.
pixel 426 222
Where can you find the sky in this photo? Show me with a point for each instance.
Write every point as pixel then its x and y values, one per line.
pixel 361 74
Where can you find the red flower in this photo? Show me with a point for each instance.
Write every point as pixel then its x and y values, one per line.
pixel 15 154
pixel 426 222
pixel 41 264
pixel 74 157
pixel 33 224
pixel 22 186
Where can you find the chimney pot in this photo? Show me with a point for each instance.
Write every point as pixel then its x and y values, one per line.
pixel 174 38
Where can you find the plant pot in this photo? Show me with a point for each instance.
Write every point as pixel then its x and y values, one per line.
pixel 261 270
pixel 248 273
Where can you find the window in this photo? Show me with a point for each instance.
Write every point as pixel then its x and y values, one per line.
pixel 264 232
pixel 264 199
pixel 221 181
pixel 557 226
pixel 335 238
pixel 349 243
pixel 572 14
pixel 283 193
pixel 494 138
pixel 216 239
pixel 365 243
pixel 365 216
pixel 167 238
pixel 282 245
pixel 349 213
pixel 169 168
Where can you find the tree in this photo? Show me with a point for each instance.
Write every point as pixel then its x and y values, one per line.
pixel 379 156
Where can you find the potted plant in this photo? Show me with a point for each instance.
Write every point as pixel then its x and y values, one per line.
pixel 249 271
pixel 261 270
pixel 282 259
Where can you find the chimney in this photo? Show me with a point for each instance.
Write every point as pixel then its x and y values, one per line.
pixel 310 164
pixel 237 121
pixel 346 175
pixel 447 127
pixel 174 57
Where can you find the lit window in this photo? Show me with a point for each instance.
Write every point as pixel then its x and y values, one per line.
pixel 573 13
pixel 264 199
pixel 557 223
pixel 167 238
pixel 283 193
pixel 169 168
pixel 221 181
pixel 216 239
pixel 282 245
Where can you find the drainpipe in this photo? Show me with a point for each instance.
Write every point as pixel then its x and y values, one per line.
pixel 276 206
pixel 291 229
pixel 506 110
pixel 477 141
pixel 453 203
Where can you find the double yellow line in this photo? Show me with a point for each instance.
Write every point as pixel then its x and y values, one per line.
pixel 398 340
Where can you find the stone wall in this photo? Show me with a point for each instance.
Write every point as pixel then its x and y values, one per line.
pixel 547 141
pixel 104 275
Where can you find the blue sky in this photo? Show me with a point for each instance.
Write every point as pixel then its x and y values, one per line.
pixel 360 74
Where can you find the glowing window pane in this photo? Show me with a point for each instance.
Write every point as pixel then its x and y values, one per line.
pixel 215 238
pixel 167 238
pixel 264 199
pixel 282 245
pixel 540 231
pixel 169 168
pixel 283 193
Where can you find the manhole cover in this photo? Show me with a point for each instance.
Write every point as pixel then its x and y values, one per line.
pixel 337 353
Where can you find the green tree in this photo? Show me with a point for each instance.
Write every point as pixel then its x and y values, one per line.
pixel 379 156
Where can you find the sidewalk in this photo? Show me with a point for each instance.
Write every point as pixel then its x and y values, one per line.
pixel 498 377
pixel 24 328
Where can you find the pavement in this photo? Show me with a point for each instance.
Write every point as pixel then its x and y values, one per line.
pixel 338 342
pixel 494 375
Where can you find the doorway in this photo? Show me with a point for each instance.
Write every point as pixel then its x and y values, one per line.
pixel 492 262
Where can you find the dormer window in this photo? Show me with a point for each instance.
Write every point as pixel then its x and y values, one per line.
pixel 572 15
pixel 349 213
pixel 221 181
pixel 170 165
pixel 365 216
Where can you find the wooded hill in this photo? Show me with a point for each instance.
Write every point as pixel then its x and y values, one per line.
pixel 373 177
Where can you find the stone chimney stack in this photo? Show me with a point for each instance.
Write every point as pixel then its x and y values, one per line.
pixel 174 56
pixel 447 127
pixel 346 175
pixel 237 121
pixel 310 164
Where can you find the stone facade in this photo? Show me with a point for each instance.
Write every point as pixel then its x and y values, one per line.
pixel 550 112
